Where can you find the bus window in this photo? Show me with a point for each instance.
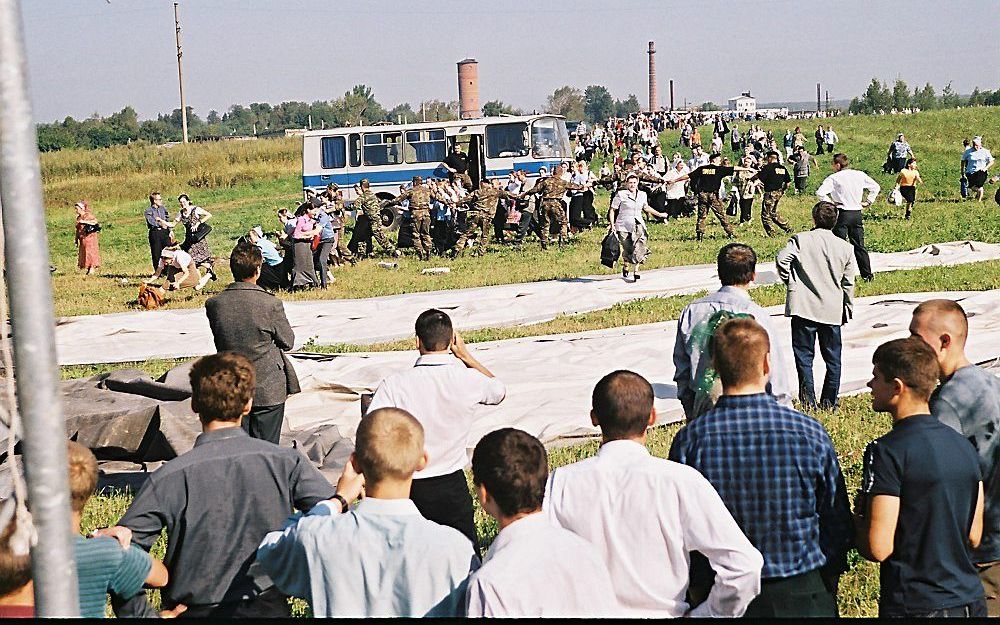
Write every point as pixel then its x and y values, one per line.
pixel 382 148
pixel 504 140
pixel 425 146
pixel 333 153
pixel 355 150
pixel 549 138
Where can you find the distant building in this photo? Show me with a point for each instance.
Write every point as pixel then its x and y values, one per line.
pixel 743 104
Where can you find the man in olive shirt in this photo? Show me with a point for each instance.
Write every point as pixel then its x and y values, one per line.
pixel 706 181
pixel 775 179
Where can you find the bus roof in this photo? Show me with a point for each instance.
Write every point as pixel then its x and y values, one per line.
pixel 478 121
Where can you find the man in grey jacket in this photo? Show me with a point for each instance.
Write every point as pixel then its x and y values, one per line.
pixel 819 270
pixel 248 320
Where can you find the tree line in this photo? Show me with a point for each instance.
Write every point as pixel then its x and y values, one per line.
pixel 357 106
pixel 880 96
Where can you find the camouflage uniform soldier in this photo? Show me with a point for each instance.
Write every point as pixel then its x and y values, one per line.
pixel 774 176
pixel 419 197
pixel 552 189
pixel 483 202
pixel 370 205
pixel 707 182
pixel 335 208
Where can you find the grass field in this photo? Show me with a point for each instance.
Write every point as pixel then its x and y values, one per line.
pixel 243 183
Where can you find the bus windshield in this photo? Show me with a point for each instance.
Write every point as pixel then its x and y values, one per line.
pixel 549 138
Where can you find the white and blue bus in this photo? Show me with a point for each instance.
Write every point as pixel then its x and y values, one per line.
pixel 390 155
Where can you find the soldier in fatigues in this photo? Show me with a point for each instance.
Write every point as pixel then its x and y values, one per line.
pixel 368 206
pixel 774 176
pixel 483 202
pixel 334 206
pixel 419 197
pixel 552 189
pixel 707 182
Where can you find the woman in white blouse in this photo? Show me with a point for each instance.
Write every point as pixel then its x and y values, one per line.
pixel 625 217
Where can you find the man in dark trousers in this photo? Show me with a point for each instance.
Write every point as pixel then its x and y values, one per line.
pixel 157 220
pixel 706 182
pixel 775 179
pixel 248 320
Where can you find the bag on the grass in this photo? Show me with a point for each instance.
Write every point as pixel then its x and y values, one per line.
pixel 896 196
pixel 150 297
pixel 611 249
pixel 707 385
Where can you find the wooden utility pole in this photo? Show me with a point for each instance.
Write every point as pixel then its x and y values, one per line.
pixel 180 73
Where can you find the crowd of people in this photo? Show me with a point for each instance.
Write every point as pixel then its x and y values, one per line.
pixel 749 515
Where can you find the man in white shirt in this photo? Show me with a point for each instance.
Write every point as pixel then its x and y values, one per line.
pixel 698 158
pixel 976 163
pixel 845 188
pixel 645 515
pixel 533 568
pixel 675 179
pixel 442 390
pixel 381 558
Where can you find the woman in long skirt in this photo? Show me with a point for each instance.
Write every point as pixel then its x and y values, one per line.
pixel 87 228
pixel 303 269
pixel 196 237
pixel 627 222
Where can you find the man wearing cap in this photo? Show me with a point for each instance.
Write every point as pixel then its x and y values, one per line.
pixel 551 190
pixel 774 176
pixel 482 202
pixel 976 163
pixel 457 164
pixel 706 182
pixel 368 206
pixel 419 197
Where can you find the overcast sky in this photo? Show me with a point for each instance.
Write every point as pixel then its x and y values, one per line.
pixel 88 56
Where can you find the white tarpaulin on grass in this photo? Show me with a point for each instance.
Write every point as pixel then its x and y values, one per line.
pixel 137 336
pixel 550 378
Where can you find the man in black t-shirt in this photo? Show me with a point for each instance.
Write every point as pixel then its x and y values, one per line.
pixel 706 182
pixel 920 508
pixel 775 179
pixel 457 164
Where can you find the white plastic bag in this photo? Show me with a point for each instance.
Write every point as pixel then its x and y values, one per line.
pixel 896 198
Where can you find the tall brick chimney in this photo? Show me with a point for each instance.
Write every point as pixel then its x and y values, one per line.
pixel 468 89
pixel 653 99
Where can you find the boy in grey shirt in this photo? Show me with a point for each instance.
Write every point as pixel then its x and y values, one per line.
pixel 968 400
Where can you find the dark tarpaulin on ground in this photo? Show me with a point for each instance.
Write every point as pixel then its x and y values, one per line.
pixel 134 423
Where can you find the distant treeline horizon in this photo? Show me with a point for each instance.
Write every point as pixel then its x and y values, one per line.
pixel 359 106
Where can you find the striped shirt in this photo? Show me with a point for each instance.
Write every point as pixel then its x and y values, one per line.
pixel 102 566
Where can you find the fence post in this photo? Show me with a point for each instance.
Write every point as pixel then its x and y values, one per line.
pixel 53 563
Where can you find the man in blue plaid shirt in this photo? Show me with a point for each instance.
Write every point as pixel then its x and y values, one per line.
pixel 777 472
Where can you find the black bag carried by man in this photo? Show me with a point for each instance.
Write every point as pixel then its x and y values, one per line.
pixel 611 250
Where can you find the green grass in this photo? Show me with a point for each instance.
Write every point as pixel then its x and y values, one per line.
pixel 242 184
pixel 851 428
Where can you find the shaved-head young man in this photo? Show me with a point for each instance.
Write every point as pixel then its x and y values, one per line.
pixel 381 558
pixel 968 400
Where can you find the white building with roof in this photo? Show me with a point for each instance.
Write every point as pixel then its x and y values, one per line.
pixel 743 104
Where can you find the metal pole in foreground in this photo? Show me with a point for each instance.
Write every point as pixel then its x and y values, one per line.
pixel 53 564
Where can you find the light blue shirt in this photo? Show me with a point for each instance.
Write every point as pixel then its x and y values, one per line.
pixel 380 559
pixel 977 160
pixel 269 252
pixel 329 231
pixel 688 365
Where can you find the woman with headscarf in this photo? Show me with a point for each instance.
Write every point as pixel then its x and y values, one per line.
pixel 178 268
pixel 89 254
pixel 625 217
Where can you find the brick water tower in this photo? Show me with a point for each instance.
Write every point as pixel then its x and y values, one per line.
pixel 468 89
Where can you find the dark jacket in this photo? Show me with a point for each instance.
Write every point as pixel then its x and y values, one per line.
pixel 248 320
